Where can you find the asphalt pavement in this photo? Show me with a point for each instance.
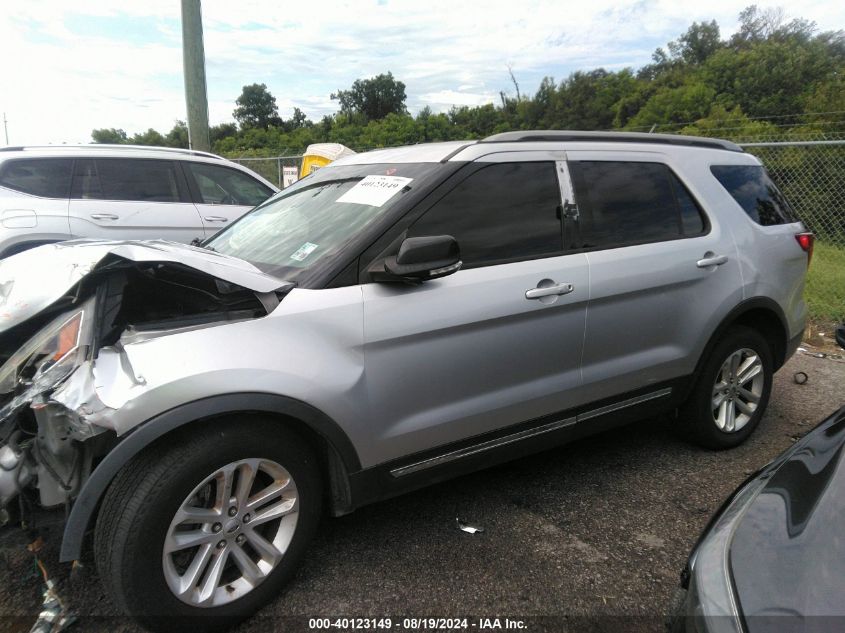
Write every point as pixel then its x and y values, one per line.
pixel 591 535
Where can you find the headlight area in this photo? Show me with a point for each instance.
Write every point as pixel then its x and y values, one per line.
pixel 39 438
pixel 711 605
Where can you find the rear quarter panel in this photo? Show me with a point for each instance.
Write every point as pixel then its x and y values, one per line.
pixel 772 263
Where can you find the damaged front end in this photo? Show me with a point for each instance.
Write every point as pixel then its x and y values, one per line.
pixel 54 427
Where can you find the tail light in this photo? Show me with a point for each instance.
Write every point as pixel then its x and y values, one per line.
pixel 806 241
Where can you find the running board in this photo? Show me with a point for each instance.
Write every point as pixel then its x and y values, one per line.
pixel 451 456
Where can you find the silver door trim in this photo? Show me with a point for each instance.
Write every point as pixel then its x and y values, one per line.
pixel 460 453
pixel 480 448
pixel 594 413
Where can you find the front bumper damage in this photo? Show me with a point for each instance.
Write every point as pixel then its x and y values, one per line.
pixel 56 425
pixel 52 445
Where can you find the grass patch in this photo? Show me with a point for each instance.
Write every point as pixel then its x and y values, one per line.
pixel 825 289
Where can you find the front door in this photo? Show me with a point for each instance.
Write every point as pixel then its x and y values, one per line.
pixel 223 194
pixel 495 344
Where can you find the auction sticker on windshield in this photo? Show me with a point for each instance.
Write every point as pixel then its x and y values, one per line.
pixel 375 190
pixel 304 251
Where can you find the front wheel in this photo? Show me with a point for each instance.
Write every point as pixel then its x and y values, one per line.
pixel 211 525
pixel 732 391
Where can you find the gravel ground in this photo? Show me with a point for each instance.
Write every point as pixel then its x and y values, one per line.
pixel 594 533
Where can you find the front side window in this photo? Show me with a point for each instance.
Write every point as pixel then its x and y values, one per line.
pixel 223 185
pixel 755 192
pixel 44 177
pixel 297 231
pixel 627 203
pixel 129 179
pixel 502 212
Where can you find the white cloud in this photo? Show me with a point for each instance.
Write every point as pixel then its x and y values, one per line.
pixel 64 80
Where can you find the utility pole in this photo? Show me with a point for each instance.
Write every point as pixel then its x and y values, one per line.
pixel 6 128
pixel 193 63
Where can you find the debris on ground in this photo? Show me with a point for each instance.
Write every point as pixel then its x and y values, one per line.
pixel 466 527
pixel 54 616
pixel 800 377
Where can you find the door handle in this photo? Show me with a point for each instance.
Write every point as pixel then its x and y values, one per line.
pixel 104 216
pixel 215 218
pixel 711 259
pixel 548 291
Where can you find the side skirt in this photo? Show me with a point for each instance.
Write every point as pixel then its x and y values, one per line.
pixel 483 451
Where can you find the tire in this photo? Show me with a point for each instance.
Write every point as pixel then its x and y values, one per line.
pixel 138 518
pixel 714 427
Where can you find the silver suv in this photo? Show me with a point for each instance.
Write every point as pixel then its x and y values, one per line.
pixel 54 193
pixel 395 319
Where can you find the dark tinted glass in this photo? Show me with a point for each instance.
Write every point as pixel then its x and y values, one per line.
pixel 86 182
pixel 501 212
pixel 625 203
pixel 755 192
pixel 45 177
pixel 223 185
pixel 692 218
pixel 139 180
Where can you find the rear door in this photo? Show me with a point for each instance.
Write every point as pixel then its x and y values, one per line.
pixel 34 200
pixel 223 194
pixel 132 198
pixel 662 273
pixel 498 342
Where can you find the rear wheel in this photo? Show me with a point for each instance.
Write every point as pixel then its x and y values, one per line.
pixel 732 391
pixel 212 525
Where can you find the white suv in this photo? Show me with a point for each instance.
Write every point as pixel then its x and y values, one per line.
pixel 52 194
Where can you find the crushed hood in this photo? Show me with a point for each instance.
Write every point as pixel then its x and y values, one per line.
pixel 33 280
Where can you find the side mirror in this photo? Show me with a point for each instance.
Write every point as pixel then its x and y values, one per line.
pixel 840 335
pixel 421 258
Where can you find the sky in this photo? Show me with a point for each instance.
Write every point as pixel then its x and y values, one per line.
pixel 72 66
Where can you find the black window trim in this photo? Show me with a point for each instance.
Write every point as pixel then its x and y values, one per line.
pixel 32 158
pixel 194 189
pixel 413 215
pixel 181 183
pixel 584 208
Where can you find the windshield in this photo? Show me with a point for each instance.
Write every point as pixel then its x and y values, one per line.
pixel 311 221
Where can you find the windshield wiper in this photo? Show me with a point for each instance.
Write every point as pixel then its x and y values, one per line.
pixel 199 243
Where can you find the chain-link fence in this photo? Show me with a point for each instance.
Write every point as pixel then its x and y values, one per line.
pixel 282 171
pixel 812 176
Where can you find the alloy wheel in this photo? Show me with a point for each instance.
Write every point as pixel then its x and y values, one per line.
pixel 737 390
pixel 230 532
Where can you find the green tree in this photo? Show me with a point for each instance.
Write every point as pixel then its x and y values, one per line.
pixel 221 131
pixel 256 108
pixel 675 105
pixel 298 120
pixel 699 42
pixel 774 77
pixel 178 135
pixel 109 135
pixel 373 98
pixel 150 137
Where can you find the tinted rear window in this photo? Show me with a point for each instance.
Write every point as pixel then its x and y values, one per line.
pixel 755 192
pixel 45 177
pixel 632 203
pixel 133 179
